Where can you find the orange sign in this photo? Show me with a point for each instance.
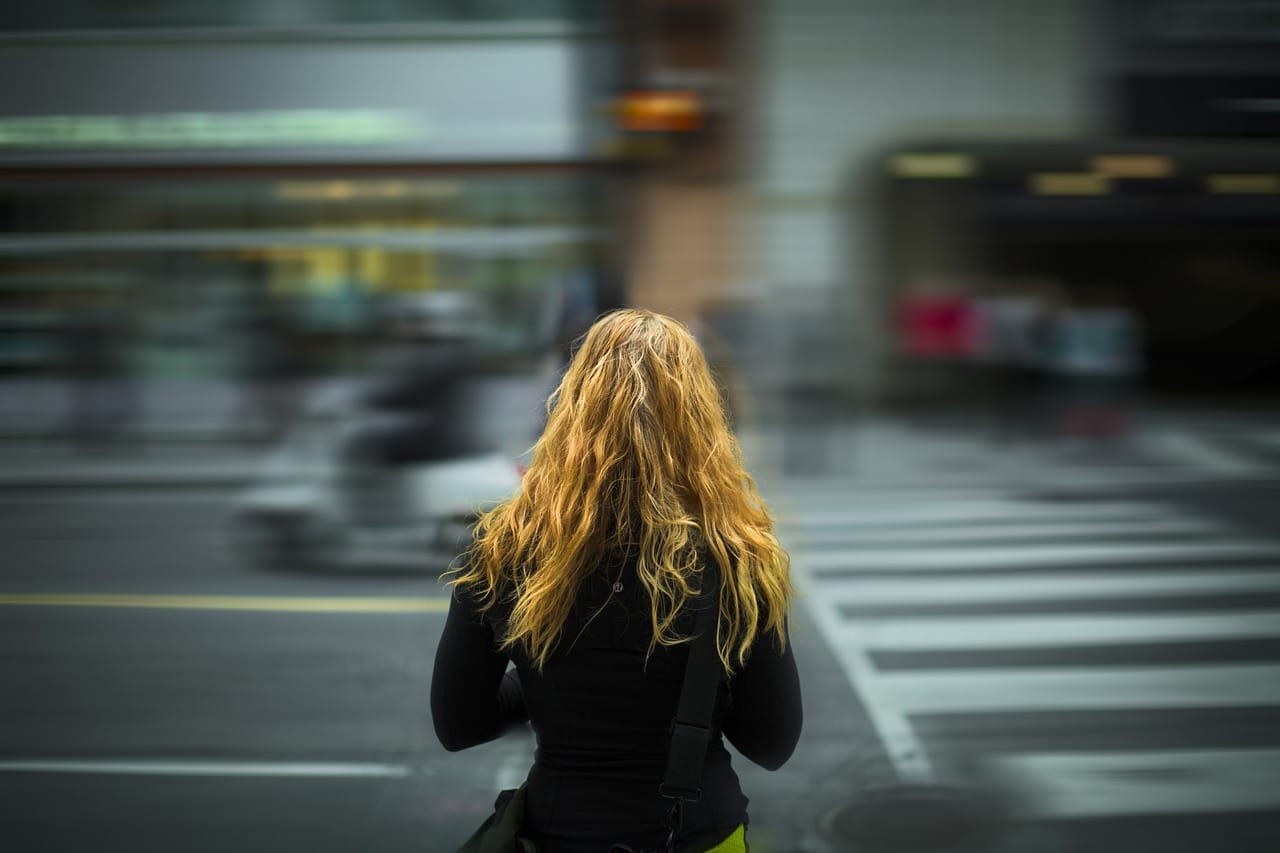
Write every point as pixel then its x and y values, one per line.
pixel 660 111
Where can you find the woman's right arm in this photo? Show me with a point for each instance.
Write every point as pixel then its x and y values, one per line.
pixel 474 698
pixel 765 717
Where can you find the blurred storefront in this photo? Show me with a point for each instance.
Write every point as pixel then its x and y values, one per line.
pixel 842 81
pixel 1152 261
pixel 315 165
pixel 1146 248
pixel 201 178
pixel 1015 109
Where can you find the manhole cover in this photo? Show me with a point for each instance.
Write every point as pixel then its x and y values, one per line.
pixel 913 818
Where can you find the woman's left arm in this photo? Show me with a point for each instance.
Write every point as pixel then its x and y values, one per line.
pixel 766 715
pixel 473 697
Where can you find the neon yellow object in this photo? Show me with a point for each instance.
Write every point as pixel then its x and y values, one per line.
pixel 735 843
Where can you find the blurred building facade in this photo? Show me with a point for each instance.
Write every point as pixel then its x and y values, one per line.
pixel 844 82
pixel 260 188
pixel 795 177
pixel 1019 107
pixel 682 98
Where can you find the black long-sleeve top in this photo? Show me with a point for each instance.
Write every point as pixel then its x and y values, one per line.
pixel 601 709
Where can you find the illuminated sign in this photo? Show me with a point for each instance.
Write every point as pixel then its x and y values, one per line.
pixel 1133 165
pixel 660 112
pixel 211 130
pixel 1242 184
pixel 1069 183
pixel 933 165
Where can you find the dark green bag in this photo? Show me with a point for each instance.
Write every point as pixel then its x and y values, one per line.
pixel 500 833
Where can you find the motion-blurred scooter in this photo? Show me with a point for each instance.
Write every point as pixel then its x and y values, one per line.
pixel 315 507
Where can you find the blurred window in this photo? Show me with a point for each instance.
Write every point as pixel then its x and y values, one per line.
pixel 188 260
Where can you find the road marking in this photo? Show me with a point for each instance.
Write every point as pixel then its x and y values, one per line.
pixel 168 497
pixel 1199 453
pixel 908 590
pixel 1064 476
pixel 1026 556
pixel 1083 688
pixel 885 512
pixel 278 604
pixel 514 768
pixel 902 745
pixel 1072 630
pixel 996 533
pixel 204 768
pixel 1102 784
pixel 825 487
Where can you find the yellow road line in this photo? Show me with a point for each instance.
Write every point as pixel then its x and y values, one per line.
pixel 280 604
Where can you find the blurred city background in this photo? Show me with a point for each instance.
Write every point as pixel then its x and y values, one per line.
pixel 993 287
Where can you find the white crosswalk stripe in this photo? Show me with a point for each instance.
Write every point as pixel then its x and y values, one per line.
pixel 1108 784
pixel 1081 688
pixel 863 534
pixel 894 456
pixel 870 593
pixel 1021 556
pixel 926 598
pixel 877 513
pixel 1064 631
pixel 1199 452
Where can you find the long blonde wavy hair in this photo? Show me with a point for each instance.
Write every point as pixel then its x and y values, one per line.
pixel 637 456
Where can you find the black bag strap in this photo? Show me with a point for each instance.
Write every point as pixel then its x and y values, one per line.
pixel 691 727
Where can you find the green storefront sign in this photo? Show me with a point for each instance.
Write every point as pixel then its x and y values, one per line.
pixel 275 128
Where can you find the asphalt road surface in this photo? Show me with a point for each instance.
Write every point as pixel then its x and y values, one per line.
pixel 159 694
pixel 1084 646
pixel 1084 660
